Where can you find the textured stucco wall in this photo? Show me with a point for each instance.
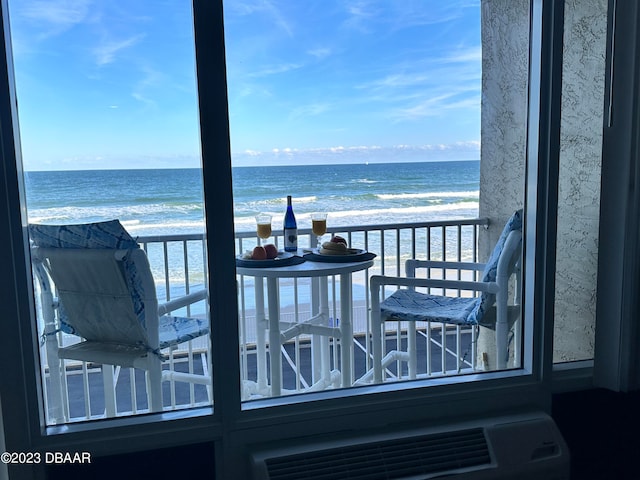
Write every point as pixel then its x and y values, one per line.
pixel 505 57
pixel 505 80
pixel 505 38
pixel 579 188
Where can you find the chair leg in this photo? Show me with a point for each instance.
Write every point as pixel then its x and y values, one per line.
pixel 154 385
pixel 412 348
pixel 376 337
pixel 56 384
pixel 58 407
pixel 109 390
pixel 502 331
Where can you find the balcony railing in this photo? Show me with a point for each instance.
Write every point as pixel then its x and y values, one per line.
pixel 178 265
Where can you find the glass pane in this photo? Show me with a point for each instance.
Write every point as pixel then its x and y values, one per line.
pixel 579 183
pixel 109 127
pixel 406 123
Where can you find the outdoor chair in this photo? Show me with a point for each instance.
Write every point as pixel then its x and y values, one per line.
pixel 96 283
pixel 487 305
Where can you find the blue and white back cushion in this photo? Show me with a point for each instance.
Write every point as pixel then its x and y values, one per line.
pixel 486 300
pixel 101 235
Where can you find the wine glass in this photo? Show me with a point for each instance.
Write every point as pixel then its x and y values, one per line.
pixel 263 226
pixel 319 225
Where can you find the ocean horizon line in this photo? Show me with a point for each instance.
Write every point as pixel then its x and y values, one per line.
pixel 152 202
pixel 330 164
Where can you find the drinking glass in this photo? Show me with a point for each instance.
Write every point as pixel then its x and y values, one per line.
pixel 319 225
pixel 263 226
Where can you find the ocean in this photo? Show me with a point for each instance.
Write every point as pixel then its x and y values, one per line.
pixel 169 201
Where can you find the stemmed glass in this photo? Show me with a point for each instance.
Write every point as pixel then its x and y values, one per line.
pixel 319 225
pixel 263 226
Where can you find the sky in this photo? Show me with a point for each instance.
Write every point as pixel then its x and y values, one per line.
pixel 111 83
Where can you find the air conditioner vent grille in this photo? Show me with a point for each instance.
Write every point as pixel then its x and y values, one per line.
pixel 386 460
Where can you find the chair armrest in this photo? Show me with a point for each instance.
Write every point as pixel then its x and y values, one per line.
pixel 413 263
pixel 416 263
pixel 181 302
pixel 376 281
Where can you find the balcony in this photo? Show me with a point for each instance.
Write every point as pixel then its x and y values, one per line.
pixel 178 263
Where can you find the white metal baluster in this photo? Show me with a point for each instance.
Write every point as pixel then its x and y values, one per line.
pixel 459 254
pixel 242 325
pixel 192 390
pixel 185 271
pixel 187 288
pixel 337 343
pixel 429 340
pixel 296 341
pixel 85 388
pixel 474 347
pixel 458 348
pixel 443 348
pixel 172 382
pixel 134 394
pixel 367 306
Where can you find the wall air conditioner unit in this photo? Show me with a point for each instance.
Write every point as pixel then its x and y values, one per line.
pixel 519 447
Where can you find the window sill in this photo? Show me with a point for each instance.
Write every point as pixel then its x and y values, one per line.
pixel 572 376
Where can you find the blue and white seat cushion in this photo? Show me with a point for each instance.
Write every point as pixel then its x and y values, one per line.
pixel 409 305
pixel 176 330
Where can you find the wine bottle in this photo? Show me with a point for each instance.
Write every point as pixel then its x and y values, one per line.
pixel 290 229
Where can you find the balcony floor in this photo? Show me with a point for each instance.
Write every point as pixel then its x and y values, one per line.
pixel 183 395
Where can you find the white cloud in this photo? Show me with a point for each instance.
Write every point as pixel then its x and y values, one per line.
pixel 274 70
pixel 309 110
pixel 260 7
pixel 151 79
pixel 396 80
pixel 463 150
pixel 319 53
pixel 106 52
pixel 429 107
pixel 471 54
pixel 278 17
pixel 58 16
pixel 360 15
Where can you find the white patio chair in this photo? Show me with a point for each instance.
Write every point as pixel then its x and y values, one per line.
pixel 96 283
pixel 409 305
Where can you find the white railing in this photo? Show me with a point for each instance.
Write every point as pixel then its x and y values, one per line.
pixel 178 265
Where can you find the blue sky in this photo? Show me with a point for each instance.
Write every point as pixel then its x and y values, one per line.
pixel 111 84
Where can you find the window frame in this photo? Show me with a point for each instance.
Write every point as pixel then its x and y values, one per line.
pixel 231 427
pixel 615 364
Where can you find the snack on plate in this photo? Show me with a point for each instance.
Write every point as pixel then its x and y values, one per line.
pixel 266 252
pixel 338 239
pixel 334 248
pixel 271 250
